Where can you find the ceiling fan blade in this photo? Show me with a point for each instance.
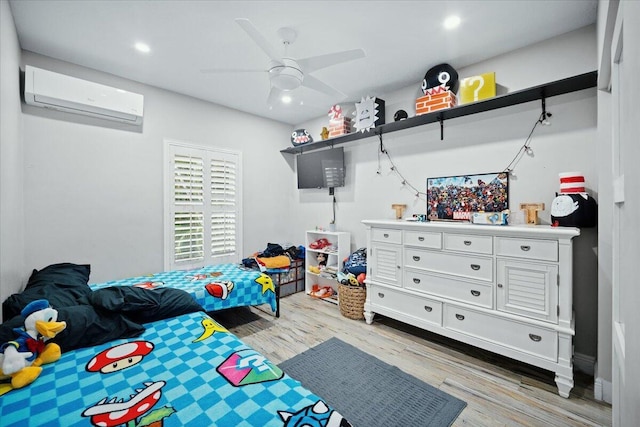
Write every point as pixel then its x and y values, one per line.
pixel 274 96
pixel 253 32
pixel 231 70
pixel 314 63
pixel 315 84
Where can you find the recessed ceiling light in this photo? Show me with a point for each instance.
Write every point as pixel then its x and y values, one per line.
pixel 286 99
pixel 142 47
pixel 451 22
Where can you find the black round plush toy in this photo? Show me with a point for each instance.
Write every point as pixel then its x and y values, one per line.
pixel 300 137
pixel 400 115
pixel 438 75
pixel 574 210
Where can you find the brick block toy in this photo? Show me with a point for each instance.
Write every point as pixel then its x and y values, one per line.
pixel 340 126
pixel 435 99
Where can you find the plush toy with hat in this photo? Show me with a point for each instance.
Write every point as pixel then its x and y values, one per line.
pixel 21 358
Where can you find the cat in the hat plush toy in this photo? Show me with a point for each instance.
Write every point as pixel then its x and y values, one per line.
pixel 21 358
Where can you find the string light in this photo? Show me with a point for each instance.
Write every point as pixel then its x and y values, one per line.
pixel 525 148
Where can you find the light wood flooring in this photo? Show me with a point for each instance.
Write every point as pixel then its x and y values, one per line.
pixel 498 391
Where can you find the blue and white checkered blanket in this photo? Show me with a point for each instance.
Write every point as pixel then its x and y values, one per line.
pixel 183 371
pixel 214 287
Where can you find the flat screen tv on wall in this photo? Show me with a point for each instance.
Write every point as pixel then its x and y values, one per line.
pixel 321 169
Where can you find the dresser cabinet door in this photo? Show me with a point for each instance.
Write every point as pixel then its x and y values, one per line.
pixel 385 264
pixel 528 289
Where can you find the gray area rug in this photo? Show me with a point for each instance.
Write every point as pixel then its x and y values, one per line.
pixel 369 392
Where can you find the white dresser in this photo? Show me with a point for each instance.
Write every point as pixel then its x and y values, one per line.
pixel 507 289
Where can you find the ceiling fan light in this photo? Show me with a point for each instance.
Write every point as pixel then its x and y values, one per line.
pixel 287 75
pixel 451 22
pixel 286 80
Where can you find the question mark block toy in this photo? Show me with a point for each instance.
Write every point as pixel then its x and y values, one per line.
pixel 477 88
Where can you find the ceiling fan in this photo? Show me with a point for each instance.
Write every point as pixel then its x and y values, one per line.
pixel 285 73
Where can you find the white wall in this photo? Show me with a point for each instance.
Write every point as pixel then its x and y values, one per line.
pixel 13 273
pixel 484 142
pixel 93 193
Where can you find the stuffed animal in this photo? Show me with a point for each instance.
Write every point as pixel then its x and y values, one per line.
pixel 322 260
pixel 21 358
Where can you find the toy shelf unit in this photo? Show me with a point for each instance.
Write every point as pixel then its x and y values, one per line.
pixel 335 246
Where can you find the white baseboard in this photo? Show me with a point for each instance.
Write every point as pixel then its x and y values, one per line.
pixel 584 363
pixel 602 390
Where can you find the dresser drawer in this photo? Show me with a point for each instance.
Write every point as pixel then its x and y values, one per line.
pixel 516 335
pixel 474 267
pixel 386 235
pixel 480 294
pixel 468 243
pixel 546 250
pixel 423 239
pixel 422 308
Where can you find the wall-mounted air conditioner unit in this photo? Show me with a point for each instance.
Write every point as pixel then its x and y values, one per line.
pixel 47 89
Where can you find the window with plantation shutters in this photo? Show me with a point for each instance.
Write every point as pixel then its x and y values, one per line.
pixel 202 193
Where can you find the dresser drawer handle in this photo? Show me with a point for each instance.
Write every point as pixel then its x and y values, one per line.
pixel 475 267
pixel 416 280
pixel 459 317
pixel 500 285
pixel 467 242
pixel 475 293
pixel 386 235
pixel 525 247
pixel 428 309
pixel 421 239
pixel 536 338
pixel 416 258
pixel 380 295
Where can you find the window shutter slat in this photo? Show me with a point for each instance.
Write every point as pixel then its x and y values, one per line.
pixel 223 203
pixel 188 179
pixel 189 236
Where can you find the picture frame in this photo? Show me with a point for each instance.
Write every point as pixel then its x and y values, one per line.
pixel 457 197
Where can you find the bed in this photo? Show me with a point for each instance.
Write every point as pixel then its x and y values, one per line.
pixel 181 368
pixel 194 372
pixel 214 287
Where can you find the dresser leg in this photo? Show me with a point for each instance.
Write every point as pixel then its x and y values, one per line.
pixel 565 384
pixel 368 317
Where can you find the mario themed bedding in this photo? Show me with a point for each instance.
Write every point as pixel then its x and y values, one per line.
pixel 183 371
pixel 214 287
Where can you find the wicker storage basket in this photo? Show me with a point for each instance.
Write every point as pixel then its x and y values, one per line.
pixel 351 301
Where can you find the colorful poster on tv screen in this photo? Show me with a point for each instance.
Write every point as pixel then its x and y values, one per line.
pixel 456 198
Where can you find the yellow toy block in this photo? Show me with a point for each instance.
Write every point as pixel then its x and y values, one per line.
pixel 477 88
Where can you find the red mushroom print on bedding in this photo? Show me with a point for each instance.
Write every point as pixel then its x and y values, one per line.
pixel 119 357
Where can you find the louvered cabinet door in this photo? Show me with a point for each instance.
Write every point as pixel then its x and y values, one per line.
pixel 528 289
pixel 386 264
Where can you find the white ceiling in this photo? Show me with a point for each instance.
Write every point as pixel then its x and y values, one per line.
pixel 401 39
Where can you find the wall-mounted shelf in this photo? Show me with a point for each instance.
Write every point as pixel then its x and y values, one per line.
pixel 558 87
